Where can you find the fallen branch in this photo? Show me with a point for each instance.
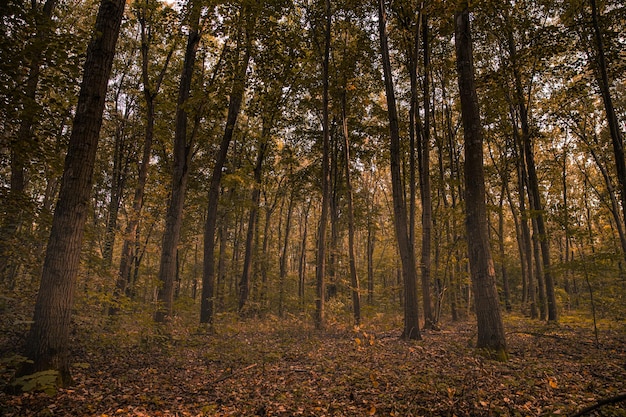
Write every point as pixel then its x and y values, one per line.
pixel 603 402
pixel 232 374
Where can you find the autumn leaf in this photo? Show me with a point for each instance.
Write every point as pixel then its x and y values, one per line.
pixel 552 382
pixel 375 383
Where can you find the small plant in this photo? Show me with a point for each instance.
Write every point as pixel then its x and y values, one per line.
pixel 44 381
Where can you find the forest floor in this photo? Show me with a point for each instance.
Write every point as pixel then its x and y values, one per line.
pixel 273 367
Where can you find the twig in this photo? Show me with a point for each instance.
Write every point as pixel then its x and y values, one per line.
pixel 605 401
pixel 232 374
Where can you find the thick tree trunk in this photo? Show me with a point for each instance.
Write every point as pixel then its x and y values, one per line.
pixel 48 341
pixel 180 173
pixel 405 246
pixel 490 328
pixel 207 307
pixel 320 270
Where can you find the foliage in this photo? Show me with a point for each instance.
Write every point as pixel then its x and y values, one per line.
pixel 555 63
pixel 43 381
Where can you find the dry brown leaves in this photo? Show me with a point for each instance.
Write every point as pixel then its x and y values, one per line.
pixel 284 368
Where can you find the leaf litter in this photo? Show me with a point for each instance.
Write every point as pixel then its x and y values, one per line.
pixel 274 367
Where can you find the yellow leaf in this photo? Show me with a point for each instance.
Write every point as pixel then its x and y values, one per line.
pixel 357 341
pixel 375 383
pixel 372 411
pixel 553 383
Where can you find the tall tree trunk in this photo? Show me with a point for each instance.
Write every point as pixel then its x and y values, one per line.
pixel 354 279
pixel 180 172
pixel 48 340
pixel 265 251
pixel 207 307
pixel 405 246
pixel 282 274
pixel 604 84
pixel 320 270
pixel 150 93
pixel 371 241
pixel 118 180
pixel 533 184
pixel 505 277
pixel 220 287
pixel 244 283
pixel 304 221
pixel 522 180
pixel 490 328
pixel 424 170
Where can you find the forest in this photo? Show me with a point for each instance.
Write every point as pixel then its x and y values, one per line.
pixel 312 207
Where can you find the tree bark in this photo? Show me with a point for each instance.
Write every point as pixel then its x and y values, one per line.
pixel 522 180
pixel 424 170
pixel 244 283
pixel 320 270
pixel 490 327
pixel 405 246
pixel 180 173
pixel 282 274
pixel 48 340
pixel 304 221
pixel 354 278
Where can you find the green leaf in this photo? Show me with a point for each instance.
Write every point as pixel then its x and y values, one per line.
pixel 45 381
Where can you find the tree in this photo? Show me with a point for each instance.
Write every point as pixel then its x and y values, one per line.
pixel 48 340
pixel 354 279
pixel 424 171
pixel 490 327
pixel 180 171
pixel 320 270
pixel 244 38
pixel 145 12
pixel 533 183
pixel 604 84
pixel 23 144
pixel 405 245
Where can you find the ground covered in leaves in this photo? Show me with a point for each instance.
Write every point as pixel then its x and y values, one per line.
pixel 273 367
